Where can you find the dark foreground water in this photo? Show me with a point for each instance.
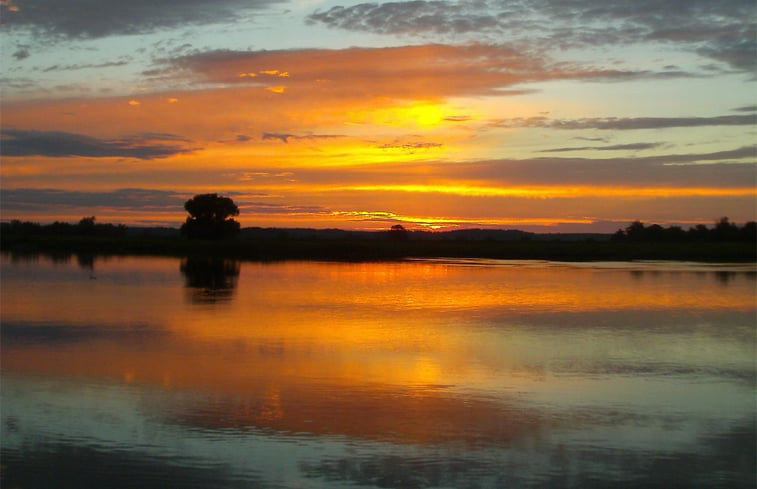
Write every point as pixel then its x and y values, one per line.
pixel 145 372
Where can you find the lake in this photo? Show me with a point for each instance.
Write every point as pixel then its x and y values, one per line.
pixel 133 372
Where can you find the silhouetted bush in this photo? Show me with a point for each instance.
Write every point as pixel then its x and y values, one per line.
pixel 210 217
pixel 398 233
pixel 85 227
pixel 724 230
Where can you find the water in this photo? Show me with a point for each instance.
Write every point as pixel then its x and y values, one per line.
pixel 158 372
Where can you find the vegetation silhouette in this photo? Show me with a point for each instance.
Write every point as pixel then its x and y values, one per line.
pixel 86 227
pixel 210 279
pixel 398 233
pixel 210 217
pixel 724 230
pixel 725 242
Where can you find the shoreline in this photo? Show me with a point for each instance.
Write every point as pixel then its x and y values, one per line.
pixel 351 249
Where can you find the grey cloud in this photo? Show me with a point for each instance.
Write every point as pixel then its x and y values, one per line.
pixel 84 66
pixel 457 118
pixel 21 54
pixel 736 168
pixel 405 71
pixel 407 17
pixel 740 54
pixel 412 147
pixel 746 108
pixel 130 198
pixel 715 169
pixel 285 137
pixel 722 30
pixel 697 169
pixel 615 147
pixel 272 208
pixel 629 123
pixel 594 140
pixel 100 18
pixel 17 142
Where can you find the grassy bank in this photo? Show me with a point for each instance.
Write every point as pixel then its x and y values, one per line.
pixel 350 249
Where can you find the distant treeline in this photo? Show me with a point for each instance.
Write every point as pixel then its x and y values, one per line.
pixel 724 243
pixel 85 227
pixel 724 230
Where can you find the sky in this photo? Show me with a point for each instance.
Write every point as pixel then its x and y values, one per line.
pixel 546 116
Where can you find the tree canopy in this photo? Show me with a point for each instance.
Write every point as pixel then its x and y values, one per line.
pixel 210 217
pixel 398 232
pixel 724 230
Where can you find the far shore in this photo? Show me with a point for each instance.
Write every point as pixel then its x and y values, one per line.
pixel 346 248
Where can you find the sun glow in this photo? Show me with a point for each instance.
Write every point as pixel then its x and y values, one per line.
pixel 424 115
pixel 555 191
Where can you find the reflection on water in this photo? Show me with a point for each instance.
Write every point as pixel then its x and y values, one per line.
pixel 210 279
pixel 418 374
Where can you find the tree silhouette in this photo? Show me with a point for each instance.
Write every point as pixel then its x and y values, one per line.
pixel 210 217
pixel 209 279
pixel 724 230
pixel 398 232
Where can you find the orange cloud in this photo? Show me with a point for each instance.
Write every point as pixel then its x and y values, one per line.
pixel 425 71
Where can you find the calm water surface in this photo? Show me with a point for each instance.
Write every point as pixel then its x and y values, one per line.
pixel 158 372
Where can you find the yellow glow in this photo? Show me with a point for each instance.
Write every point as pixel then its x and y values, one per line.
pixel 417 114
pixel 556 191
pixel 432 222
pixel 276 89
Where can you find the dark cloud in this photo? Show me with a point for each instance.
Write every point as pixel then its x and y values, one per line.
pixel 615 147
pixel 412 147
pixel 273 208
pixel 740 54
pixel 129 198
pixel 629 123
pixel 718 30
pixel 100 18
pixel 457 118
pixel 285 137
pixel 593 140
pixel 410 17
pixel 22 53
pixel 84 66
pixel 746 108
pixel 697 170
pixel 674 170
pixel 16 142
pixel 427 70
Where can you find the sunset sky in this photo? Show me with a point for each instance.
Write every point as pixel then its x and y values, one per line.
pixel 551 116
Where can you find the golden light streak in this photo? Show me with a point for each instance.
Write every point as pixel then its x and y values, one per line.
pixel 417 114
pixel 276 89
pixel 452 222
pixel 556 191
